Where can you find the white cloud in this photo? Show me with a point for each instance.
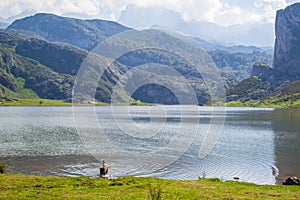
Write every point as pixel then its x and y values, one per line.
pixel 230 15
pixel 275 3
pixel 199 10
pixel 89 7
pixel 269 8
pixel 219 11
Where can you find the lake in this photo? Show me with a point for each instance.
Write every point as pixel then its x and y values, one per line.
pixel 257 145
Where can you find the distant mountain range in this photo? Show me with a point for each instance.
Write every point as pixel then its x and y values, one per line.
pixel 40 57
pixel 258 34
pixel 232 48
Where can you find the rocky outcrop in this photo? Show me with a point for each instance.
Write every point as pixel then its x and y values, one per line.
pixel 261 70
pixel 286 64
pixel 292 181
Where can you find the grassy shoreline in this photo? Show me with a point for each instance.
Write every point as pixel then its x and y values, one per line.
pixel 50 102
pixel 278 104
pixel 290 101
pixel 17 186
pixel 35 102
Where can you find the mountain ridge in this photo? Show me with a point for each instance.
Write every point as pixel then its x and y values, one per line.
pixel 85 34
pixel 64 57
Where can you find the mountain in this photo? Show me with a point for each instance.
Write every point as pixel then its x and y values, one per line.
pixel 88 33
pixel 281 80
pixel 31 68
pixel 85 34
pixel 234 34
pixel 286 63
pixel 63 59
pixel 59 45
pixel 286 66
pixel 234 67
pixel 21 77
pixel 210 46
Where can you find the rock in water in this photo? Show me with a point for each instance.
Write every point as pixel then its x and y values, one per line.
pixel 292 181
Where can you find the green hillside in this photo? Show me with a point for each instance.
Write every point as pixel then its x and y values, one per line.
pixel 287 97
pixel 32 68
pixel 22 77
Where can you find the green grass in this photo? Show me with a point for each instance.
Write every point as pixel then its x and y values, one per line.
pixel 34 102
pixel 14 186
pixel 49 102
pixel 278 101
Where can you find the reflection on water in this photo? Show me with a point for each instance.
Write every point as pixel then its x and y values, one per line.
pixel 254 144
pixel 286 127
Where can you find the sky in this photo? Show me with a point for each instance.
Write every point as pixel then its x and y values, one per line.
pixel 222 12
pixel 231 22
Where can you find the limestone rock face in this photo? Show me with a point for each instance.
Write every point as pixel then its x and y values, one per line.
pixel 286 65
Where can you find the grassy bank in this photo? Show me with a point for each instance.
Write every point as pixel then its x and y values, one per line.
pixel 270 102
pixel 49 102
pixel 278 101
pixel 46 187
pixel 35 102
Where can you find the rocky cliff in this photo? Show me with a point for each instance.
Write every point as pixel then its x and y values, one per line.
pixel 283 78
pixel 286 64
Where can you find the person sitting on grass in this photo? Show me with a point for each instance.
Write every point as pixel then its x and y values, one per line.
pixel 103 169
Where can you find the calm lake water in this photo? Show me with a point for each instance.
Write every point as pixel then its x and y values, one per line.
pixel 256 145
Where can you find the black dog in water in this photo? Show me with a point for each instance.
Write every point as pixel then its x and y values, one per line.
pixel 103 169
